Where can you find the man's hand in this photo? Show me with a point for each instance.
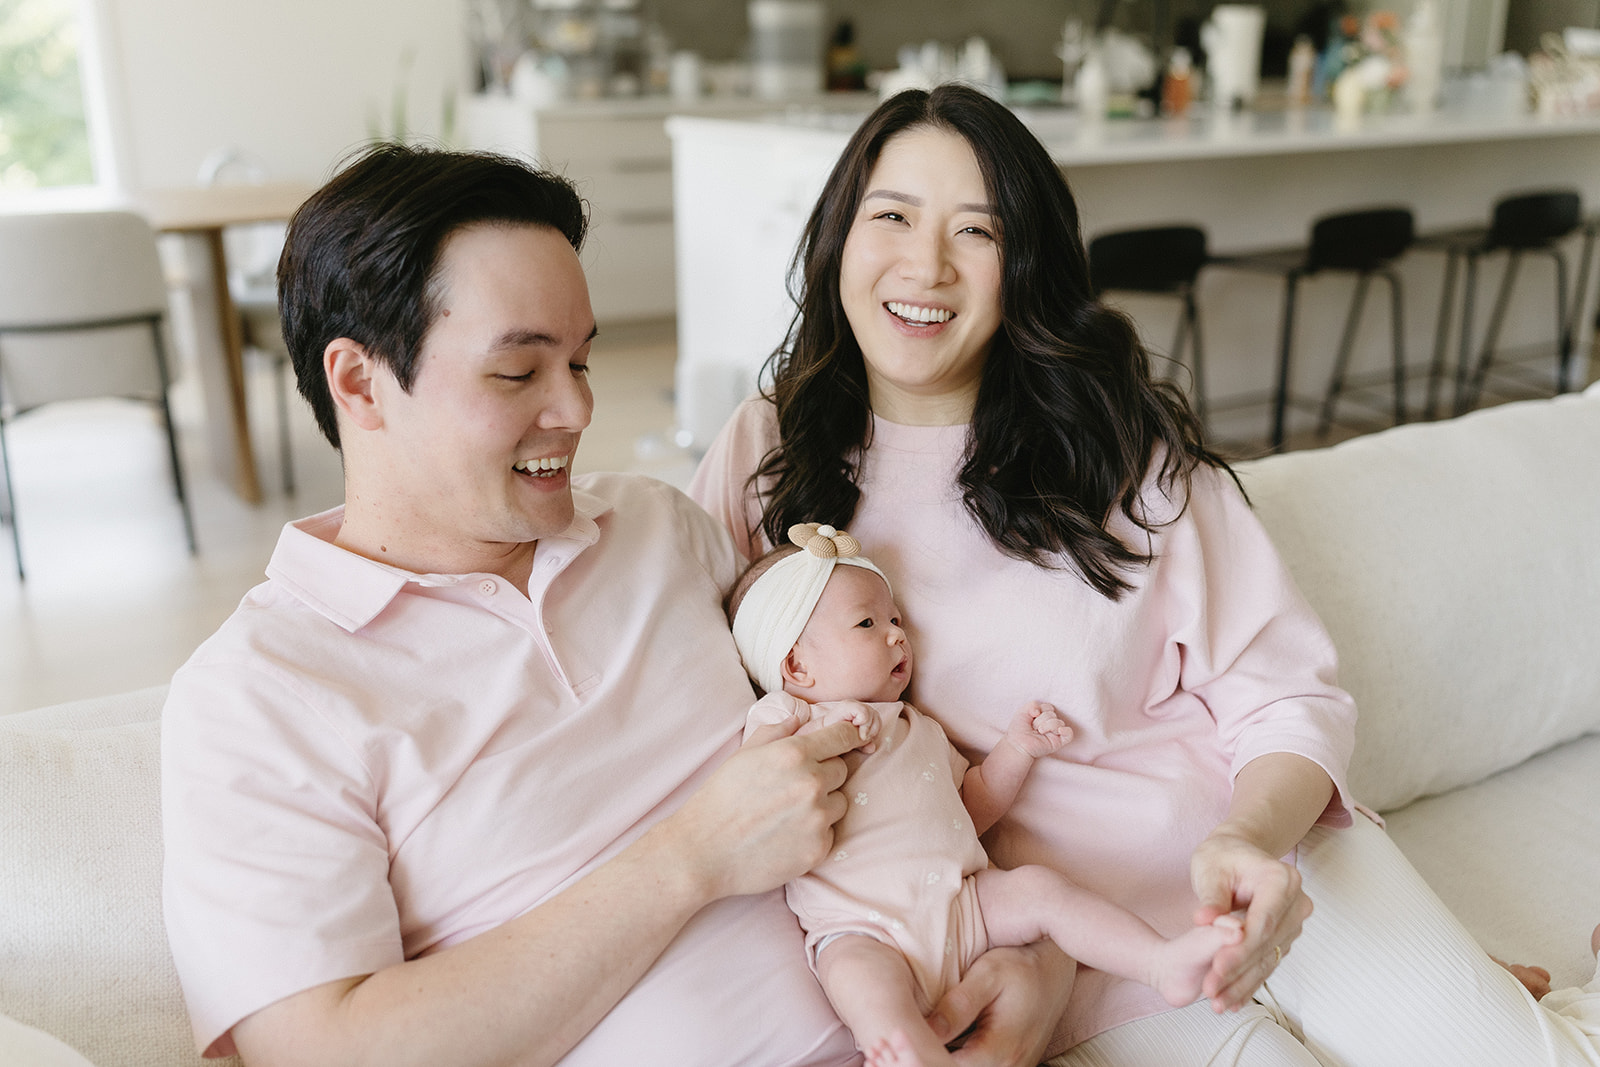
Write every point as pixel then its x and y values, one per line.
pixel 766 815
pixel 1230 873
pixel 1016 996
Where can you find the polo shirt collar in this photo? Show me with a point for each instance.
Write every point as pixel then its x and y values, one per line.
pixel 351 590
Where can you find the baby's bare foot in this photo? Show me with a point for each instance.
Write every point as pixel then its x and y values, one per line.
pixel 1535 980
pixel 893 1051
pixel 1182 964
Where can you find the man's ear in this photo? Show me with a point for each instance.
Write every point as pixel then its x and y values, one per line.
pixel 351 373
pixel 795 673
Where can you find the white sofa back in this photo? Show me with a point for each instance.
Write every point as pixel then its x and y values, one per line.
pixel 83 951
pixel 1457 566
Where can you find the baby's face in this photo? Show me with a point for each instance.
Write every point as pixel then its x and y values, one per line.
pixel 853 647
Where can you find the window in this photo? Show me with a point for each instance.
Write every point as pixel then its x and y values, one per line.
pixel 44 139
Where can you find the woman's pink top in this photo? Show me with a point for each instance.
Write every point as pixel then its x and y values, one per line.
pixel 1212 660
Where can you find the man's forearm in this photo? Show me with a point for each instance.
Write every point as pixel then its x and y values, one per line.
pixel 523 993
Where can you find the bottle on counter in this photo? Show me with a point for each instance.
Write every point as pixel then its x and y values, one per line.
pixel 1091 87
pixel 1177 86
pixel 1424 50
pixel 1302 65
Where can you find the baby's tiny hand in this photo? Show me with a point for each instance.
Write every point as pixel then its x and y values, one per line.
pixel 1038 730
pixel 864 717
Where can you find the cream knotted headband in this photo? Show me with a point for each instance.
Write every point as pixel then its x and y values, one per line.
pixel 778 604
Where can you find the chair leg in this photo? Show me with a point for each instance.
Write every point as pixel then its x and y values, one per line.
pixel 280 371
pixel 1497 317
pixel 1441 336
pixel 1352 319
pixel 1280 402
pixel 1397 326
pixel 1191 312
pixel 172 436
pixel 11 501
pixel 1563 330
pixel 1464 355
pixel 1580 295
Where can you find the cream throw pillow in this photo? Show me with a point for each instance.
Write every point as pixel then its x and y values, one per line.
pixel 1457 566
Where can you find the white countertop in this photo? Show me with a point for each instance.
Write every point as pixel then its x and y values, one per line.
pixel 1201 135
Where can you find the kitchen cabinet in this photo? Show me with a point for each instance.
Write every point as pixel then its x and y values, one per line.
pixel 618 154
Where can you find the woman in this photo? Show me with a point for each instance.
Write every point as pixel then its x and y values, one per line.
pixel 1058 530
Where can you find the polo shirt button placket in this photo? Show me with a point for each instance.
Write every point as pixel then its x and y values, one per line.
pixel 487 587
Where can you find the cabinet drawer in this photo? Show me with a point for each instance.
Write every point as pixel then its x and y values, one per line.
pixel 630 269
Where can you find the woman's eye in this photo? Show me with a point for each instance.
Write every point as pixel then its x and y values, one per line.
pixel 979 231
pixel 891 216
pixel 515 377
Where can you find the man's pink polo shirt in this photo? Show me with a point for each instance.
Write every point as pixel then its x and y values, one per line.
pixel 365 765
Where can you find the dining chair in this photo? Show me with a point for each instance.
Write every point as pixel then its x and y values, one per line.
pixel 82 313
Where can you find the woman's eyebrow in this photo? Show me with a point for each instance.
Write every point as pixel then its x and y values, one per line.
pixel 916 201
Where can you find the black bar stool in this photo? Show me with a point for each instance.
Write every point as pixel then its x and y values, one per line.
pixel 1363 242
pixel 1527 223
pixel 1163 260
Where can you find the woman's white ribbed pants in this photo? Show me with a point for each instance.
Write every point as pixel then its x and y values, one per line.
pixel 1383 976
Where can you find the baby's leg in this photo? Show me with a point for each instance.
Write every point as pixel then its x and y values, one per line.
pixel 871 987
pixel 1027 904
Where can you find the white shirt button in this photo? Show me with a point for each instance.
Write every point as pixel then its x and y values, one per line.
pixel 487 587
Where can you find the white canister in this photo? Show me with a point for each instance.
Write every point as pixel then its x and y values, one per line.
pixel 1232 40
pixel 786 48
pixel 685 75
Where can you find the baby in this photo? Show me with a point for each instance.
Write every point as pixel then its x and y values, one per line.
pixel 906 901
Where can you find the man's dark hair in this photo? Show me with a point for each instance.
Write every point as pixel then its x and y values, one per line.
pixel 362 253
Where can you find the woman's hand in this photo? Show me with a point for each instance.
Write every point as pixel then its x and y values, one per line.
pixel 1231 873
pixel 1015 996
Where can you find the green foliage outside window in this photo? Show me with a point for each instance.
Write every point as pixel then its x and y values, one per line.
pixel 44 140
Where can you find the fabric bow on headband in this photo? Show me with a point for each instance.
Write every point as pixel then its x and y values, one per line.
pixel 778 604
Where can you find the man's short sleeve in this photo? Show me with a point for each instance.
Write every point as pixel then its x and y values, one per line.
pixel 276 873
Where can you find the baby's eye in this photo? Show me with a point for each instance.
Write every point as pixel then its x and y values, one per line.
pixel 865 624
pixel 894 622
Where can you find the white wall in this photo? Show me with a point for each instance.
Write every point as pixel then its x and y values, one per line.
pixel 293 82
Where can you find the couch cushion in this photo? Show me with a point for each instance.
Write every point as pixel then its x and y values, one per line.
pixel 83 951
pixel 1517 858
pixel 27 1046
pixel 1457 566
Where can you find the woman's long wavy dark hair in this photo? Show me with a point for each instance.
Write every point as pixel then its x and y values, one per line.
pixel 1068 417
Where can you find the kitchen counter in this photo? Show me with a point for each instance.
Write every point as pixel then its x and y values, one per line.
pixel 743 190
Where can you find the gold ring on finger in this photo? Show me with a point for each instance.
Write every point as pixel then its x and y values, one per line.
pixel 1278 954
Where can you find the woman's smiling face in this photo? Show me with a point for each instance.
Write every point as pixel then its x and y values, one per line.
pixel 920 278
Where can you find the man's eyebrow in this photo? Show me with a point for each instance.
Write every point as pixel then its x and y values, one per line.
pixel 521 338
pixel 916 201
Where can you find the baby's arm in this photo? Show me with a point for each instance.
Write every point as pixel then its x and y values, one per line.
pixel 776 708
pixel 990 787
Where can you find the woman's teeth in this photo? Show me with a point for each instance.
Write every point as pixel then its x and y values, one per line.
pixel 913 313
pixel 542 468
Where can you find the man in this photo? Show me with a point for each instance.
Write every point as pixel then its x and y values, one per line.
pixel 460 783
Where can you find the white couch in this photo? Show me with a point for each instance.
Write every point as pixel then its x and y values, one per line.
pixel 1457 565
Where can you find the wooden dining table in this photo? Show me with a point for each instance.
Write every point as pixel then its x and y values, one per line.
pixel 201 213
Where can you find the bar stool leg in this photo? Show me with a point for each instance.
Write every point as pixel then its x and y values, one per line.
pixel 1397 325
pixel 1496 319
pixel 1191 312
pixel 1441 335
pixel 1464 355
pixel 1352 319
pixel 1563 338
pixel 1280 403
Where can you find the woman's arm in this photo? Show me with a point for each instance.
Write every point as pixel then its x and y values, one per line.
pixel 1276 799
pixel 529 990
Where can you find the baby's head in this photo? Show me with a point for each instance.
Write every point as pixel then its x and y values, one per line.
pixel 819 621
